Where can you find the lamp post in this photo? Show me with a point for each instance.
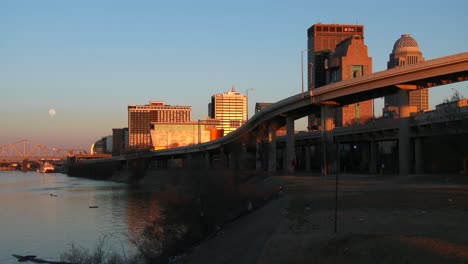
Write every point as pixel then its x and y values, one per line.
pixel 247 95
pixel 302 70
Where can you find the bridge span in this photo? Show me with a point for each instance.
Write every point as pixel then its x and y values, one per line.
pixel 25 150
pixel 254 145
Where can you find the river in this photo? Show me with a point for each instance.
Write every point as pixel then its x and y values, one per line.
pixel 43 214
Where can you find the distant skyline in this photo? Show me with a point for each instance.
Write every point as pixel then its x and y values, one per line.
pixel 88 60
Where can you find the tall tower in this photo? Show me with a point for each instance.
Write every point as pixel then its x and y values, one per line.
pixel 406 51
pixel 230 109
pixel 322 40
pixel 350 60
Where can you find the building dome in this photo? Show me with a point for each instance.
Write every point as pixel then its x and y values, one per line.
pixel 405 43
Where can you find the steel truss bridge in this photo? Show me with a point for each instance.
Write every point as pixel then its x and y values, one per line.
pixel 25 150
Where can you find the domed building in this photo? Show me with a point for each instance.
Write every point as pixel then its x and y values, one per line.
pixel 406 51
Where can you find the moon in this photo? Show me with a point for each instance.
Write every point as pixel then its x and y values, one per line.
pixel 52 112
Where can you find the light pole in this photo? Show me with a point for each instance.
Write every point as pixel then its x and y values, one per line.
pixel 247 95
pixel 302 70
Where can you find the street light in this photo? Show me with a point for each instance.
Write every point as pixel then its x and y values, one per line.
pixel 247 95
pixel 302 70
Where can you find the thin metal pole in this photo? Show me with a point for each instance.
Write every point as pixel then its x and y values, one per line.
pixel 336 184
pixel 302 70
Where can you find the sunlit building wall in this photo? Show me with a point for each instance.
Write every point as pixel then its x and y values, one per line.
pixel 230 109
pixel 171 135
pixel 350 60
pixel 141 117
pixel 322 40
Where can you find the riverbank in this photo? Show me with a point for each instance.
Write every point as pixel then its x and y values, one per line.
pixel 380 219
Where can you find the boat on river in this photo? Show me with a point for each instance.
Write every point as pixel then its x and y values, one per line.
pixel 46 168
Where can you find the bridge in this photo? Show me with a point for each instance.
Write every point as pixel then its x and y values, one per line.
pixel 25 150
pixel 254 145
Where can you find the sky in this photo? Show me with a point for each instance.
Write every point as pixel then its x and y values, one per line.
pixel 88 60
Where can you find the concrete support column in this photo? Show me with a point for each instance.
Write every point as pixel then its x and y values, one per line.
pixel 258 156
pixel 188 161
pixel 207 160
pixel 238 156
pixel 226 158
pixel 272 148
pixel 373 157
pixel 403 133
pixel 327 128
pixel 290 157
pixel 418 156
pixel 171 163
pixel 307 158
pixel 244 157
pixel 365 156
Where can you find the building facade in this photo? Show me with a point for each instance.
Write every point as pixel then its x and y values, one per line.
pixel 350 60
pixel 141 117
pixel 230 109
pixel 405 52
pixel 322 40
pixel 171 135
pixel 119 141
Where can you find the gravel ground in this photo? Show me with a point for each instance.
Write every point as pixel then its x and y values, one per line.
pixel 380 219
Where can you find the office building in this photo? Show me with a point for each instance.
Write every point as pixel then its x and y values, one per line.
pixel 171 135
pixel 328 46
pixel 322 40
pixel 350 60
pixel 405 52
pixel 230 109
pixel 141 117
pixel 119 141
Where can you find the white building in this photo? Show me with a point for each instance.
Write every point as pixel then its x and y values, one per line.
pixel 230 109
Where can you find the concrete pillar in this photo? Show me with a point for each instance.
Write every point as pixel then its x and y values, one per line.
pixel 307 158
pixel 258 156
pixel 327 127
pixel 418 156
pixel 226 158
pixel 271 148
pixel 244 157
pixel 238 156
pixel 188 161
pixel 373 157
pixel 403 133
pixel 207 160
pixel 290 157
pixel 365 156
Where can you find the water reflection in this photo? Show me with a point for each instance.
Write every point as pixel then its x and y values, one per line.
pixel 42 214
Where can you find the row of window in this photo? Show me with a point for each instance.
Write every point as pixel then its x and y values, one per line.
pixel 358 29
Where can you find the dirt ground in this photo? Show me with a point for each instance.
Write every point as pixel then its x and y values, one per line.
pixel 380 219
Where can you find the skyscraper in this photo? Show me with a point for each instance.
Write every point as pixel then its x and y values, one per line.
pixel 350 60
pixel 140 118
pixel 406 51
pixel 230 109
pixel 322 40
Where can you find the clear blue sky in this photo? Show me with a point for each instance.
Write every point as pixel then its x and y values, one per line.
pixel 88 60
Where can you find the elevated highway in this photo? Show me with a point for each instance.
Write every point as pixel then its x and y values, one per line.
pixel 241 148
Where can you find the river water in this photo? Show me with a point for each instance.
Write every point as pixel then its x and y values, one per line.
pixel 43 214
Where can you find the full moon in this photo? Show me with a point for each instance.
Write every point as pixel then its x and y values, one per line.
pixel 52 112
